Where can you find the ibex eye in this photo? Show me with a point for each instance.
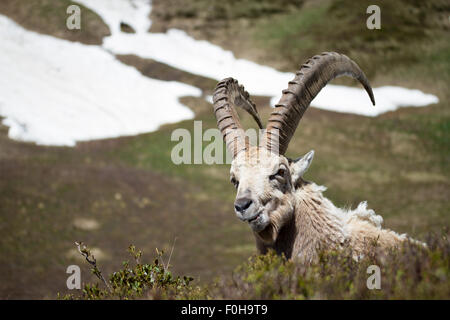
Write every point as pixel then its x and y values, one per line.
pixel 280 174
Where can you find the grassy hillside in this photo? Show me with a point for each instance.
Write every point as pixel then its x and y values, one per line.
pixel 285 33
pixel 114 192
pixel 49 17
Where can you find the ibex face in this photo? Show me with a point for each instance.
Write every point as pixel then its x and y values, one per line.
pixel 265 184
pixel 265 179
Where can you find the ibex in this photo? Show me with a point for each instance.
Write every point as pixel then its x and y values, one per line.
pixel 286 212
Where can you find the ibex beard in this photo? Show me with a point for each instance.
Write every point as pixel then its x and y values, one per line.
pixel 286 212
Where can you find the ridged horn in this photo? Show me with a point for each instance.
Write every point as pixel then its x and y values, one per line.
pixel 308 81
pixel 227 96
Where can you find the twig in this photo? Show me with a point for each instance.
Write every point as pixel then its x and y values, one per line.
pixel 84 251
pixel 170 256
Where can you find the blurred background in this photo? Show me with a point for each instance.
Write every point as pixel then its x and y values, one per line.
pixel 87 116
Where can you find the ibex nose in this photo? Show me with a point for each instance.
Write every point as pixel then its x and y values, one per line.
pixel 242 204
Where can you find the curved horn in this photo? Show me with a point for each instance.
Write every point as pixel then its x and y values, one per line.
pixel 308 81
pixel 227 95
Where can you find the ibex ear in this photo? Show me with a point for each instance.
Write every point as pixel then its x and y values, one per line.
pixel 300 166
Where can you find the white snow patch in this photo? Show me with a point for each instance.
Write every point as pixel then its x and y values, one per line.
pixel 57 92
pixel 178 50
pixel 132 12
pixel 354 100
pixel 181 51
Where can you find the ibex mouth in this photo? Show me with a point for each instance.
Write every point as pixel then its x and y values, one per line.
pixel 254 218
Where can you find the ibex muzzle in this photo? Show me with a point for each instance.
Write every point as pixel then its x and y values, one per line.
pixel 241 204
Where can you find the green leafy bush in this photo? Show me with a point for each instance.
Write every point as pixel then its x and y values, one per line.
pixel 152 281
pixel 411 272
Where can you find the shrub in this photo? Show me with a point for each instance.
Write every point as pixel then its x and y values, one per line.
pixel 135 281
pixel 409 272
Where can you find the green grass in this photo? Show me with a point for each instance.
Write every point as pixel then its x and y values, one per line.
pixel 153 152
pixel 408 29
pixel 282 31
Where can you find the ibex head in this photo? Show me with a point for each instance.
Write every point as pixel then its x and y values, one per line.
pixel 266 180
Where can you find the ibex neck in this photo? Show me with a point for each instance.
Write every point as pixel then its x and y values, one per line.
pixel 317 222
pixel 313 225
